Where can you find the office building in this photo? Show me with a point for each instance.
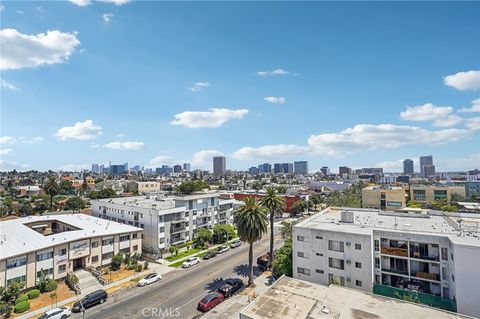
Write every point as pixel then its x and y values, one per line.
pixel 186 167
pixel 472 189
pixel 253 170
pixel 125 165
pixel 219 165
pixel 383 197
pixel 95 168
pixel 428 170
pixel 425 195
pixel 287 168
pixel 265 168
pixel 277 168
pixel 424 161
pixel 408 167
pixel 301 167
pixel 164 170
pixel 325 171
pixel 344 171
pixel 430 258
pixel 177 168
pixel 59 244
pixel 117 169
pixel 166 220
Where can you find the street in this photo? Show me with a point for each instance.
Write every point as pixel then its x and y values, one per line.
pixel 178 293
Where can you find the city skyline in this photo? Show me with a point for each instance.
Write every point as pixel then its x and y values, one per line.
pixel 97 90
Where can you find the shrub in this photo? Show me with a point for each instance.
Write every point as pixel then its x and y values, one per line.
pixel 145 265
pixel 21 298
pixel 51 285
pixel 34 293
pixel 139 268
pixel 116 262
pixel 22 306
pixel 5 309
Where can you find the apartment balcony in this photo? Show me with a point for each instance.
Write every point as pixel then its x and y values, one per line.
pixel 174 230
pixel 202 221
pixel 425 275
pixel 396 271
pixel 176 240
pixel 395 251
pixel 419 255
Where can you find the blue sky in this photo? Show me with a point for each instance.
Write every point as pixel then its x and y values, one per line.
pixel 335 83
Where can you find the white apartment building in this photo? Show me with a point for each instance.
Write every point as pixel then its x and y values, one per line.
pixel 432 257
pixel 58 244
pixel 167 220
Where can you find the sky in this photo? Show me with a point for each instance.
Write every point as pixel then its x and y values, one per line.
pixel 361 84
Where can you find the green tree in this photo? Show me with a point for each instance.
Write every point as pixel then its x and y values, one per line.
pixel 66 187
pixel 252 222
pixel 275 205
pixel 203 235
pixel 188 187
pixel 75 203
pixel 299 206
pixel 414 204
pixel 85 187
pixel 25 209
pixel 51 188
pixel 98 180
pixel 282 264
pixel 40 206
pixel 287 230
pixel 281 189
pixel 116 262
pixel 220 234
pixel 316 200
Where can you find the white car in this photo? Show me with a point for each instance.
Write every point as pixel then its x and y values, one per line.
pixel 223 249
pixel 149 279
pixel 190 262
pixel 57 313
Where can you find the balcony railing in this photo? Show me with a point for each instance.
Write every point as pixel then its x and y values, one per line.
pixel 418 255
pixel 402 252
pixel 425 275
pixel 396 271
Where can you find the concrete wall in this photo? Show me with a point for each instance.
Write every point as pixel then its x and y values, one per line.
pixel 467 279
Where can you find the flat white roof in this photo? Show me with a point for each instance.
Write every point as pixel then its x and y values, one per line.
pixel 365 221
pixel 16 238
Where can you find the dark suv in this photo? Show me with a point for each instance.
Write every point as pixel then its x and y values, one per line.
pixel 231 286
pixel 92 299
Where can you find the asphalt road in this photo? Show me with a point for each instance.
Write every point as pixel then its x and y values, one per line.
pixel 177 294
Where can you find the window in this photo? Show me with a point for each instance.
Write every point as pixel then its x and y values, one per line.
pixel 161 240
pixel 301 254
pixel 453 278
pixel 107 256
pixel 444 253
pixel 302 238
pixel 62 269
pixel 358 283
pixel 335 245
pixel 336 280
pixel 336 263
pixel 17 262
pixel 62 252
pixel 358 265
pixel 319 271
pixel 377 244
pixel 162 229
pixel 45 256
pixel 46 272
pixel 318 237
pixel 94 259
pixel 444 273
pixel 16 279
pixel 303 271
pixel 107 242
pixel 377 262
pixel 94 244
pixel 135 248
pixel 142 226
pixel 135 236
pixel 319 254
pixel 358 246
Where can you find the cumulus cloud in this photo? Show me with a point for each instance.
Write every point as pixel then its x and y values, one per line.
pixel 204 158
pixel 107 17
pixel 469 80
pixel 6 151
pixel 28 51
pixel 160 160
pixel 383 136
pixel 275 99
pixel 8 85
pixel 7 139
pixel 473 109
pixel 73 167
pixel 116 2
pixel 426 112
pixel 448 121
pixel 128 146
pixel 81 3
pixel 80 131
pixel 473 123
pixel 269 151
pixel 275 72
pixel 213 118
pixel 199 86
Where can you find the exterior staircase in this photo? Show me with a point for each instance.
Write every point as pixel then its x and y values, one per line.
pixel 87 282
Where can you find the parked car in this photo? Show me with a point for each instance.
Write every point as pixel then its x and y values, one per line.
pixel 210 255
pixel 57 313
pixel 231 286
pixel 90 300
pixel 210 301
pixel 149 279
pixel 223 249
pixel 236 243
pixel 190 262
pixel 263 261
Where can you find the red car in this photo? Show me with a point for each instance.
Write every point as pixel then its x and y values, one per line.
pixel 210 301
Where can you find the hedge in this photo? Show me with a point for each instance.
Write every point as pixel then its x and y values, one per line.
pixel 21 298
pixel 34 293
pixel 22 306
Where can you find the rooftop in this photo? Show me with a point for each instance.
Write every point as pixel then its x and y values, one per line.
pixel 290 298
pixel 365 221
pixel 383 187
pixel 16 238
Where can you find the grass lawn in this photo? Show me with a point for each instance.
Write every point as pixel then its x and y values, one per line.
pixel 183 254
pixel 122 286
pixel 177 264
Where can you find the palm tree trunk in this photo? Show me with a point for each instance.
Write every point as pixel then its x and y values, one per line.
pixel 51 202
pixel 270 257
pixel 250 264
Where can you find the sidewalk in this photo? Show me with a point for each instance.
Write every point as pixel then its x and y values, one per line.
pixel 153 267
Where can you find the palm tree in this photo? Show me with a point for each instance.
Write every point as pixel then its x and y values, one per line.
pixel 252 222
pixel 52 189
pixel 274 204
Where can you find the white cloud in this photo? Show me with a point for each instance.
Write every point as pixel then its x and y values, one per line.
pixel 81 3
pixel 6 151
pixel 8 85
pixel 473 123
pixel 474 108
pixel 469 80
pixel 28 51
pixel 73 167
pixel 383 136
pixel 160 160
pixel 448 121
pixel 11 165
pixel 20 12
pixel 426 112
pixel 116 2
pixel 204 159
pixel 275 99
pixel 273 73
pixel 7 139
pixel 209 119
pixel 128 146
pixel 460 163
pixel 31 140
pixel 2 7
pixel 199 86
pixel 270 152
pixel 80 131
pixel 107 17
